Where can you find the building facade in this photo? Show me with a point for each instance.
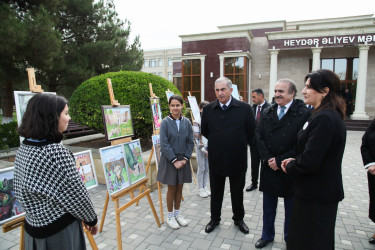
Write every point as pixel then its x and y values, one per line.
pixel 255 55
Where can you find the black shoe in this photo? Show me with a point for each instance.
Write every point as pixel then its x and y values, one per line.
pixel 262 243
pixel 211 226
pixel 251 187
pixel 372 239
pixel 243 227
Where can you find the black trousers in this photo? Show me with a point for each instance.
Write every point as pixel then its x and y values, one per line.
pixel 217 185
pixel 255 161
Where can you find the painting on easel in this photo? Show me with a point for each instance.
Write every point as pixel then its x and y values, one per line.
pixel 134 161
pixel 194 107
pixel 156 113
pixel 86 168
pixel 117 122
pixel 156 144
pixel 10 208
pixel 115 171
pixel 169 94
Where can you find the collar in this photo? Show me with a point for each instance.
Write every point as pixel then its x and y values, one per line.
pixel 36 143
pixel 264 102
pixel 287 106
pixel 231 102
pixel 230 99
pixel 171 117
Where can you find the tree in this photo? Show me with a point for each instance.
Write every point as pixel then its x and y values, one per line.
pixel 66 41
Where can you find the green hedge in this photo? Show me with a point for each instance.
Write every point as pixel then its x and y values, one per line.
pixel 130 88
pixel 9 136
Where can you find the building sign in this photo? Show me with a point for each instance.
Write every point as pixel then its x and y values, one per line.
pixel 327 41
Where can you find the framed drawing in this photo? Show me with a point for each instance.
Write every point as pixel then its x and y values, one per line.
pixel 194 107
pixel 115 171
pixel 235 92
pixel 156 113
pixel 169 94
pixel 10 208
pixel 134 161
pixel 117 122
pixel 86 168
pixel 156 144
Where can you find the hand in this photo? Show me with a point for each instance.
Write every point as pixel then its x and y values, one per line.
pixel 183 162
pixel 206 152
pixel 92 229
pixel 371 169
pixel 272 164
pixel 178 164
pixel 286 162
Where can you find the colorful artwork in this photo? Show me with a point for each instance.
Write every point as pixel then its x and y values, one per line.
pixel 156 112
pixel 156 144
pixel 117 122
pixel 194 107
pixel 169 94
pixel 10 208
pixel 134 161
pixel 86 168
pixel 115 171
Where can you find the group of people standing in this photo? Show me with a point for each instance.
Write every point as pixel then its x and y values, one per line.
pixel 300 152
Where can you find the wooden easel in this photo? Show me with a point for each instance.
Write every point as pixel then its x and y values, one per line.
pixel 20 222
pixel 130 190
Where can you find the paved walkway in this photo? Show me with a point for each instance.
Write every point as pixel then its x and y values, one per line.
pixel 140 231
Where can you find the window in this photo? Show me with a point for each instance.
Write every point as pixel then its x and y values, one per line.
pixel 170 63
pixel 160 62
pixel 191 78
pixel 236 69
pixel 170 76
pixel 152 62
pixel 146 64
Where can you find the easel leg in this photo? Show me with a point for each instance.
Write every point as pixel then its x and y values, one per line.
pixel 192 173
pixel 118 225
pixel 90 238
pixel 22 237
pixel 153 209
pixel 160 203
pixel 147 167
pixel 104 213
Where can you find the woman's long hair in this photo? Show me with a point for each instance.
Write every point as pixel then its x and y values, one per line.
pixel 41 119
pixel 326 78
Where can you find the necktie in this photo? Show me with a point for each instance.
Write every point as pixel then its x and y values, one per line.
pixel 225 107
pixel 257 118
pixel 282 112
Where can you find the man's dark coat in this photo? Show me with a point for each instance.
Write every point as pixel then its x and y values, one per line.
pixel 277 138
pixel 228 133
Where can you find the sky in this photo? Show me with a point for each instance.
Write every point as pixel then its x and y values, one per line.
pixel 159 23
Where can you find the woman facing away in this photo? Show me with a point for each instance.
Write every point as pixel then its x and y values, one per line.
pixel 320 147
pixel 46 181
pixel 368 157
pixel 176 146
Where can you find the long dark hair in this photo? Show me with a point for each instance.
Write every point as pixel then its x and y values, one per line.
pixel 326 78
pixel 41 119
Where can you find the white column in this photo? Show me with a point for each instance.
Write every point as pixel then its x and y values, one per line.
pixel 273 72
pixel 202 78
pixel 221 66
pixel 360 97
pixel 316 58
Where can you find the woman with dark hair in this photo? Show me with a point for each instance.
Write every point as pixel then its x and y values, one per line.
pixel 320 147
pixel 176 146
pixel 368 157
pixel 46 181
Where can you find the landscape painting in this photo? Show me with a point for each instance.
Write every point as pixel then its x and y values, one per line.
pixel 117 122
pixel 134 161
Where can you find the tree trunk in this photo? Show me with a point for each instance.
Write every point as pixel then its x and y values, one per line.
pixel 8 102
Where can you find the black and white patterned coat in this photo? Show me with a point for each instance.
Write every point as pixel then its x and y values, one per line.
pixel 48 186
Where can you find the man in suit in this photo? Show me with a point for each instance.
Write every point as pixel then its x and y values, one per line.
pixel 259 105
pixel 276 135
pixel 229 126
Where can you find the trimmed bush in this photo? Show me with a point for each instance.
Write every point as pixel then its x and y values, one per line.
pixel 130 88
pixel 9 136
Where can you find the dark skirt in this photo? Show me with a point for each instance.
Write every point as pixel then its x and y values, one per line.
pixel 168 174
pixel 70 238
pixel 312 225
pixel 371 191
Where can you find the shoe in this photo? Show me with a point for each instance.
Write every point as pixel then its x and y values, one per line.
pixel 262 243
pixel 243 227
pixel 251 187
pixel 211 226
pixel 202 193
pixel 172 223
pixel 207 191
pixel 181 221
pixel 372 239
